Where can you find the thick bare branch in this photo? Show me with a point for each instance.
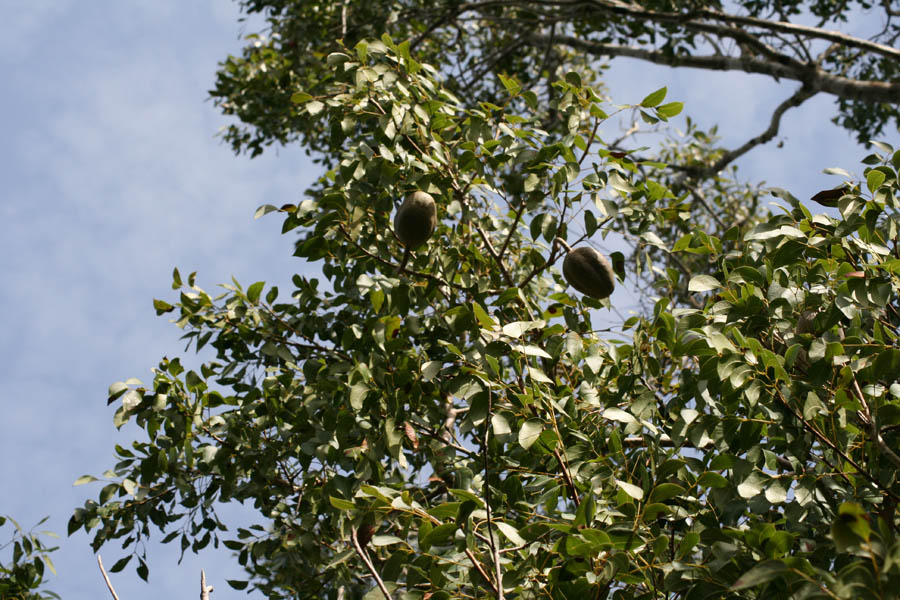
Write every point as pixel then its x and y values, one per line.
pixel 692 20
pixel 815 78
pixel 697 20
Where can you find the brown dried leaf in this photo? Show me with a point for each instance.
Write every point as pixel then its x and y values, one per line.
pixel 411 434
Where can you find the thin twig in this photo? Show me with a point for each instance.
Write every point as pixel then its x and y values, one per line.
pixel 484 237
pixel 371 568
pixel 698 196
pixel 512 228
pixel 873 427
pixel 481 571
pixel 392 265
pixel 204 589
pixel 443 438
pixel 106 577
pixel 828 442
pixel 590 141
pixel 494 254
pixel 567 477
pixel 495 554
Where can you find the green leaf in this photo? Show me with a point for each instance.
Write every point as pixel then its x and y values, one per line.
pixel 711 480
pixel 386 540
pixel 358 393
pixel 430 369
pixel 84 479
pixel 362 53
pixel 529 432
pixel 670 110
pixel 752 485
pixel 484 319
pixel 517 328
pixel 314 107
pixel 254 291
pixel 264 210
pixel 162 306
pixel 617 414
pixel 874 180
pixel 143 570
pixel 703 283
pixel 500 425
pixel 512 86
pixel 117 389
pixel 762 573
pixel 665 491
pixel 538 375
pixel 510 533
pixel 440 535
pixel 629 488
pixel 683 242
pixel 120 564
pixel 573 78
pixel 654 98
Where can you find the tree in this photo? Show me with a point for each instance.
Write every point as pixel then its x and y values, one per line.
pixel 460 428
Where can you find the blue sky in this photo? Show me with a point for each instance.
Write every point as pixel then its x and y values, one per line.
pixel 112 176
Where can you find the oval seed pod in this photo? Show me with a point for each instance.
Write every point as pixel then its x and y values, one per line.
pixel 588 271
pixel 415 222
pixel 415 219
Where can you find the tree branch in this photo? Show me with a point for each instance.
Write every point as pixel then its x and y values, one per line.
pixel 371 568
pixel 796 99
pixel 388 263
pixel 689 19
pixel 481 571
pixel 815 78
pixel 699 197
pixel 512 228
pixel 495 553
pixel 824 439
pixel 106 578
pixel 205 590
pixel 872 423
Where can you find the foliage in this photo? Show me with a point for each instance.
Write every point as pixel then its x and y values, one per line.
pixel 836 48
pixel 22 578
pixel 460 428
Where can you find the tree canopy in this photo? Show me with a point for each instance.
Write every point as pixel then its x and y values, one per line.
pixel 538 41
pixel 458 427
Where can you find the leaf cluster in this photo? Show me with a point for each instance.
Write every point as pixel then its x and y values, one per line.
pixel 24 575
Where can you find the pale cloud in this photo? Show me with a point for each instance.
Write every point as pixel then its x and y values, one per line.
pixel 27 24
